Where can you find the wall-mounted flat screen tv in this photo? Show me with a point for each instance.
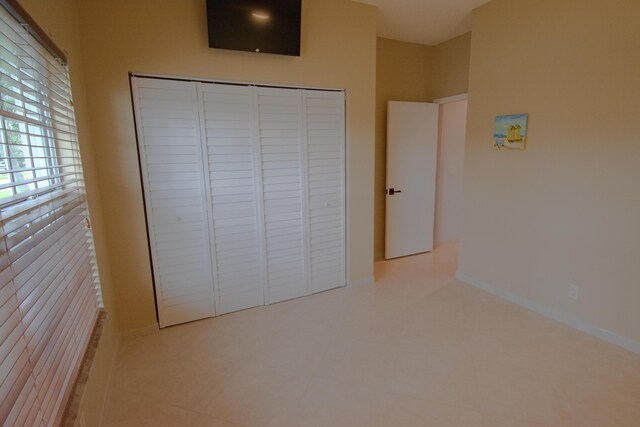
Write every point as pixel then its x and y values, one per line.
pixel 265 26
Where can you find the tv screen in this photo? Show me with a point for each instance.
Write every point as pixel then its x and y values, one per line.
pixel 265 26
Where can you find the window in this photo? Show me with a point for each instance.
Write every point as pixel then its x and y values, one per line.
pixel 49 290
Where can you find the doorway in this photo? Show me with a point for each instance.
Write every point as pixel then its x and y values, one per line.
pixel 424 175
pixel 449 175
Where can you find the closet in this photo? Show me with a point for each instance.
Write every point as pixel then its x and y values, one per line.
pixel 244 190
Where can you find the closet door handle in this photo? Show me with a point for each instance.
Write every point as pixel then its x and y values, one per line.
pixel 393 191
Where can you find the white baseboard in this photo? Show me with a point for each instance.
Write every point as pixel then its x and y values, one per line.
pixel 362 282
pixel 140 332
pixel 446 243
pixel 603 334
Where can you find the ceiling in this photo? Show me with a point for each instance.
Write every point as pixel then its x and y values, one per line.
pixel 427 22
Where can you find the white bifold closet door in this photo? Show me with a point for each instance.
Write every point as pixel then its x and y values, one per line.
pixel 281 122
pixel 170 147
pixel 325 145
pixel 261 172
pixel 237 235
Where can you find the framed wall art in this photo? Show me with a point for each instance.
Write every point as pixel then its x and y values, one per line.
pixel 510 132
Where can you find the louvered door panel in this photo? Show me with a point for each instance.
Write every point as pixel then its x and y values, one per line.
pixel 325 136
pixel 176 204
pixel 228 120
pixel 280 123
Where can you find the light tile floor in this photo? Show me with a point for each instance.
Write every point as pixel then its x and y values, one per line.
pixel 417 348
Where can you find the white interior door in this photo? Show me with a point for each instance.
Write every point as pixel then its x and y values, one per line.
pixel 174 187
pixel 412 144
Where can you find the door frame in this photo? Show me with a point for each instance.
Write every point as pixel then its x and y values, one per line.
pixel 450 99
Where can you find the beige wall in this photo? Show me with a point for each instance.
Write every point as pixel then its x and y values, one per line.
pixel 403 73
pixel 170 37
pixel 59 18
pixel 451 66
pixel 416 73
pixel 564 211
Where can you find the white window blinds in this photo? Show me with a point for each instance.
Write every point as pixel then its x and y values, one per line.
pixel 49 290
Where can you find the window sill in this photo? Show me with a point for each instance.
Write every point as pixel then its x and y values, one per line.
pixel 75 399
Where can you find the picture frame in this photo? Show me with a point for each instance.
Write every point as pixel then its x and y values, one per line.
pixel 510 132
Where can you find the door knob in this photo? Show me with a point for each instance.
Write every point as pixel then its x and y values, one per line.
pixel 393 191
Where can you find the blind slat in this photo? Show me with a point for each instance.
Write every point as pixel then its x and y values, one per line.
pixel 19 209
pixel 26 410
pixel 33 194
